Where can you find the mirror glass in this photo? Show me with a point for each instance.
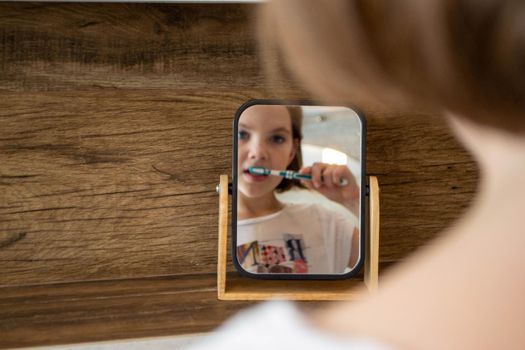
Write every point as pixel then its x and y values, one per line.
pixel 298 201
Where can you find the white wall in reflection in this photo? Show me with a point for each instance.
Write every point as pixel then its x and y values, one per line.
pixel 330 135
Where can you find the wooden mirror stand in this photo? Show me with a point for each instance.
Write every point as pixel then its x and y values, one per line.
pixel 236 287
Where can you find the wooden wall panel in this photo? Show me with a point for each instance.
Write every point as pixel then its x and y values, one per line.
pixel 123 187
pixel 116 123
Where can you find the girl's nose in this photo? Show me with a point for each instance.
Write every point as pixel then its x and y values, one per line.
pixel 258 151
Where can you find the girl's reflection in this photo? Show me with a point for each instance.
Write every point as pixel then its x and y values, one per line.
pixel 278 237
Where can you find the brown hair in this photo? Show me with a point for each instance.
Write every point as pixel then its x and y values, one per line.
pixel 467 56
pixel 296 117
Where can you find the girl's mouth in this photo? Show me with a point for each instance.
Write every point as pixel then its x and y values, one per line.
pixel 253 177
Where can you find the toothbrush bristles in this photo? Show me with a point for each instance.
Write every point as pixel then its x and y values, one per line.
pixel 257 170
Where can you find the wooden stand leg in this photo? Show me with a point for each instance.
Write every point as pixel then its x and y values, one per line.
pixel 372 237
pixel 241 288
pixel 223 237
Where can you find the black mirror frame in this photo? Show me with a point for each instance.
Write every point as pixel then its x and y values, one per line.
pixel 284 276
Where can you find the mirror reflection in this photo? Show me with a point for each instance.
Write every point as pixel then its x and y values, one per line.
pixel 298 189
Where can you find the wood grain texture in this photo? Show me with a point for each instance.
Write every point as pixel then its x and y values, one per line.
pixel 95 311
pixel 124 187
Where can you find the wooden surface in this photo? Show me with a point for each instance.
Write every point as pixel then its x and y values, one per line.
pixel 91 311
pixel 115 124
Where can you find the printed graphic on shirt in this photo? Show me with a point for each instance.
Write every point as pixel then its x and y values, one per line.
pixel 272 255
pixel 248 254
pixel 281 256
pixel 295 245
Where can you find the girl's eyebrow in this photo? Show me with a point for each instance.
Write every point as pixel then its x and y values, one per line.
pixel 279 129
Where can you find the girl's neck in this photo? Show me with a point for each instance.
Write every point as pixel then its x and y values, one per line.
pixel 248 208
pixel 501 158
pixel 497 209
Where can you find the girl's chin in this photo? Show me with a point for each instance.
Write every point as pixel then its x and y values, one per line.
pixel 254 194
pixel 254 191
pixel 254 179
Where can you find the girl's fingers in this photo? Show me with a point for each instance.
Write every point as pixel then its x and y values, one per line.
pixel 317 169
pixel 305 171
pixel 339 174
pixel 328 174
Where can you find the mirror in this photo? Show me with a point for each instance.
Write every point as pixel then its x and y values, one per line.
pixel 298 175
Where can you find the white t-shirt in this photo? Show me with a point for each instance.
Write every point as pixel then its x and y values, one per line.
pixel 279 325
pixel 300 238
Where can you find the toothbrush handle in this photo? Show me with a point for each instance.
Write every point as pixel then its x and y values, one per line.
pixel 289 174
pixel 342 182
pixel 298 176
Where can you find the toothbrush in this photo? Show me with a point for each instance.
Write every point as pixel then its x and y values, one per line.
pixel 287 174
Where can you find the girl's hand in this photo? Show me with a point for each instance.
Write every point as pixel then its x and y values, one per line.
pixel 327 178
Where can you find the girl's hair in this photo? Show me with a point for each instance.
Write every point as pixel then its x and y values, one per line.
pixel 296 116
pixel 466 56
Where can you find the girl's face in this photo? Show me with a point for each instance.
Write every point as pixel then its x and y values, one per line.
pixel 266 140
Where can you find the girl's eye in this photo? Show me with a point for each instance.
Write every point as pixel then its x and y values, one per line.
pixel 243 135
pixel 277 139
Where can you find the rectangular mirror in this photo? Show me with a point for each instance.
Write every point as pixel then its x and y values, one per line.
pixel 298 199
